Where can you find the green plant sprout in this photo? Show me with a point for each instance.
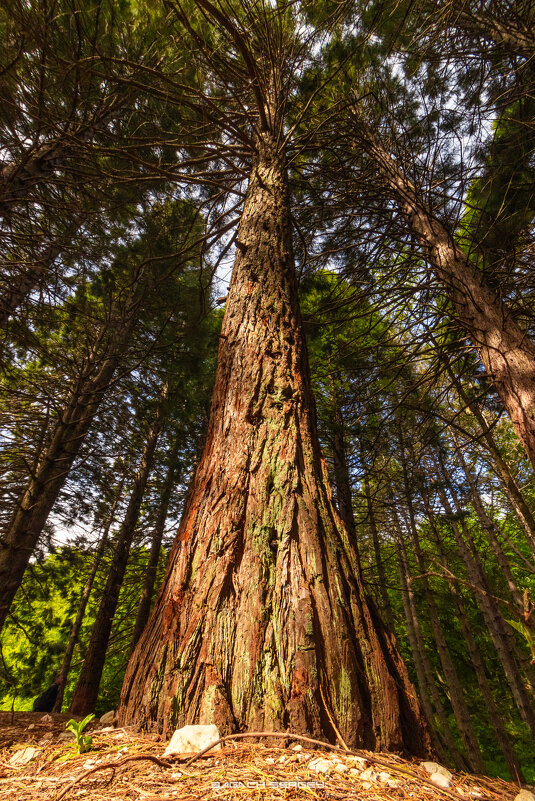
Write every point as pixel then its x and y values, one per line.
pixel 83 742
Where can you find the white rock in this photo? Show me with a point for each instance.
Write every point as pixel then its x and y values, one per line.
pixel 386 778
pixel 270 760
pixel 108 717
pixel 24 756
pixel 434 767
pixel 356 762
pixel 297 747
pixel 368 775
pixel 525 795
pixel 321 765
pixel 341 768
pixel 192 739
pixel 440 780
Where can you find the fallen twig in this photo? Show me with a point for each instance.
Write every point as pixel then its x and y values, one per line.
pixel 113 766
pixel 363 754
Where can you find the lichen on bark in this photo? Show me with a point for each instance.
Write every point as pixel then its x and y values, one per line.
pixel 270 629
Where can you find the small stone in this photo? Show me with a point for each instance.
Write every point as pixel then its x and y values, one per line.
pixel 434 767
pixel 297 747
pixel 66 735
pixel 367 785
pixel 46 719
pixel 192 739
pixel 383 776
pixel 177 775
pixel 356 762
pixel 282 760
pixel 368 775
pixel 525 795
pixel 270 760
pixel 440 780
pixel 355 772
pixel 321 765
pixel 24 756
pixel 108 718
pixel 341 768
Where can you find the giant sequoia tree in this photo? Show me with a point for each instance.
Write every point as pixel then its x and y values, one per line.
pixel 262 622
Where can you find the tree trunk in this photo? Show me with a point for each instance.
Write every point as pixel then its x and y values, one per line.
pixel 477 662
pixel 505 350
pixel 489 526
pixel 342 480
pixel 262 622
pixel 387 606
pixel 84 598
pixel 52 469
pixel 429 694
pixel 511 489
pixel 493 620
pixel 143 610
pixel 460 709
pixel 86 691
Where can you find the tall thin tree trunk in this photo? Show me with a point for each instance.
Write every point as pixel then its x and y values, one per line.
pixel 511 488
pixel 386 605
pixel 143 610
pixel 86 691
pixel 493 618
pixel 460 709
pixel 342 480
pixel 261 622
pixel 477 660
pixel 429 694
pixel 491 529
pixel 84 598
pixel 504 348
pixel 52 469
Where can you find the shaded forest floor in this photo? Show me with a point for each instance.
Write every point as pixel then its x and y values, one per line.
pixel 123 764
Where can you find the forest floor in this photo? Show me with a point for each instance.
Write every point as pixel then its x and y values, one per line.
pixel 123 764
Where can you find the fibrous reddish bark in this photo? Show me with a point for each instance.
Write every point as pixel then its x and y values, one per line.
pixel 261 622
pixel 505 350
